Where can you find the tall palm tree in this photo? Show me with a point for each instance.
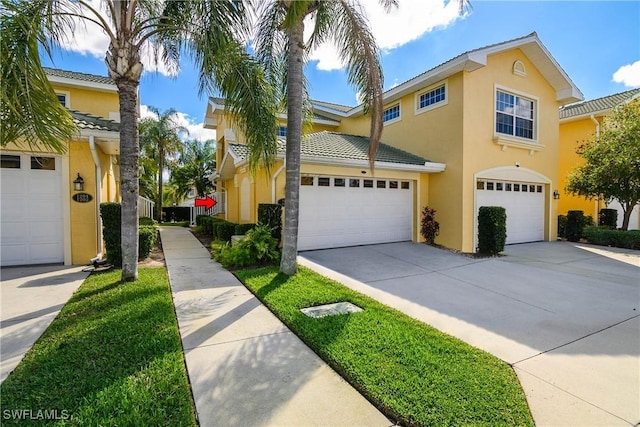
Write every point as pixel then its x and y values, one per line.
pixel 206 30
pixel 282 48
pixel 194 168
pixel 159 138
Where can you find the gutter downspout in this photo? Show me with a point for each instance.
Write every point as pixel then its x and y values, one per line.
pixel 597 123
pixel 273 182
pixel 96 160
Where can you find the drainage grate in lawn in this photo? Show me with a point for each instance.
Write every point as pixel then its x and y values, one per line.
pixel 330 309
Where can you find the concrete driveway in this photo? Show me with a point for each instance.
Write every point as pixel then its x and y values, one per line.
pixel 565 316
pixel 31 297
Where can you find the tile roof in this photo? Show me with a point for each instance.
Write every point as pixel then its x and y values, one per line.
pixel 339 107
pixel 596 105
pixel 78 76
pixel 333 145
pixel 91 122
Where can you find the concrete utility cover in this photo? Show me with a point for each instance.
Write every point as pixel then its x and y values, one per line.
pixel 330 309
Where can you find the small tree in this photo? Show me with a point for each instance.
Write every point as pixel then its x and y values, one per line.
pixel 612 161
pixel 429 227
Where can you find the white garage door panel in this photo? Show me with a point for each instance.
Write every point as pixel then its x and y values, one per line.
pixel 525 210
pixel 345 216
pixel 31 215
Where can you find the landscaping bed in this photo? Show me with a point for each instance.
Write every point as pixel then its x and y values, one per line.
pixel 412 372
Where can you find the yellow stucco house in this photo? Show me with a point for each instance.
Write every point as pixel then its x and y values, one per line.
pixel 580 122
pixel 43 218
pixel 480 129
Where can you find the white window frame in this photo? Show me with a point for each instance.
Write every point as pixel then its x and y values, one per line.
pixel 280 127
pixel 438 104
pixel 67 97
pixel 395 119
pixel 507 140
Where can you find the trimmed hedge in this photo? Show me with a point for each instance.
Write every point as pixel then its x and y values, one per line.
pixel 270 214
pixel 562 225
pixel 628 239
pixel 492 229
pixel 145 220
pixel 224 230
pixel 111 229
pixel 243 228
pixel 608 218
pixel 575 225
pixel 147 237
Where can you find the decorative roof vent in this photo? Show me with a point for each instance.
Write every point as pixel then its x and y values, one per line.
pixel 519 69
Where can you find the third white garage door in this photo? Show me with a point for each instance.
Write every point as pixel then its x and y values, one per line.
pixel 524 203
pixel 349 211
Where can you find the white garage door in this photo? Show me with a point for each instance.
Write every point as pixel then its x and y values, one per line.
pixel 524 203
pixel 31 210
pixel 349 211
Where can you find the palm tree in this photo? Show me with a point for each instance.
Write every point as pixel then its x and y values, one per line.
pixel 194 168
pixel 281 47
pixel 159 138
pixel 206 30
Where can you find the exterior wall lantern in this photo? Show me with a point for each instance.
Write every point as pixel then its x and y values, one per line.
pixel 556 195
pixel 78 183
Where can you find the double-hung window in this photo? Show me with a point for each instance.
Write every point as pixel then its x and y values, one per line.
pixel 282 131
pixel 515 115
pixel 391 114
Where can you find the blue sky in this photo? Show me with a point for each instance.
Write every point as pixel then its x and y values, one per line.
pixel 591 40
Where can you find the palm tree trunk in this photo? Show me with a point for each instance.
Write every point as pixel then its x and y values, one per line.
pixel 160 169
pixel 129 160
pixel 295 87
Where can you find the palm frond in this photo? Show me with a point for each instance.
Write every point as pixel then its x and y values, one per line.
pixel 30 114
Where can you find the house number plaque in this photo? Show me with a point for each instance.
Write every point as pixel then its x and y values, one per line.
pixel 82 197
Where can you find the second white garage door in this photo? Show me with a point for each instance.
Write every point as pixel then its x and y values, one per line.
pixel 349 211
pixel 524 204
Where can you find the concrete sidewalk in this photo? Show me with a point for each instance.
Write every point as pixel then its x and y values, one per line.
pixel 32 296
pixel 245 366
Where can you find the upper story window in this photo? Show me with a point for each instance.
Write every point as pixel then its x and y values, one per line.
pixel 515 115
pixel 391 114
pixel 63 97
pixel 432 97
pixel 282 131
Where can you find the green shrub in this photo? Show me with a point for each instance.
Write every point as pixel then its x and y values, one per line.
pixel 147 237
pixel 562 225
pixel 243 228
pixel 492 229
pixel 608 218
pixel 145 220
pixel 224 230
pixel 111 226
pixel 271 215
pixel 575 225
pixel 200 219
pixel 258 247
pixel 111 223
pixel 628 239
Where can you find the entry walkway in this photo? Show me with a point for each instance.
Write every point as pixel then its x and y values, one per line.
pixel 245 366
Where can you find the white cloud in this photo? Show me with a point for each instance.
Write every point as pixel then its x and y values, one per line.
pixel 408 22
pixel 89 38
pixel 629 75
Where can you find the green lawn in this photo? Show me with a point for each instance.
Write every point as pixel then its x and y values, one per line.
pixel 415 374
pixel 112 357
